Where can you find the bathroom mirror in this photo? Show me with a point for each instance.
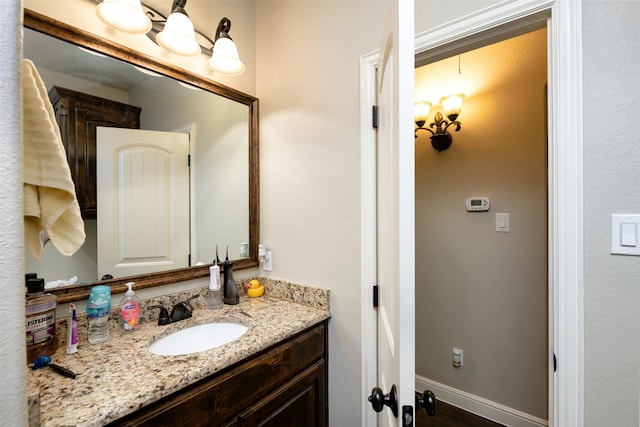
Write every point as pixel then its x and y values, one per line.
pixel 239 182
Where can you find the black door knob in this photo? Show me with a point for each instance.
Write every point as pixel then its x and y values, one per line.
pixel 426 401
pixel 378 399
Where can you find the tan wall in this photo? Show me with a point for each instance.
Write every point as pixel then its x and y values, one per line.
pixel 476 289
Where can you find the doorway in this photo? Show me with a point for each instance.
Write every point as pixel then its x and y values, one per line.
pixel 563 20
pixel 480 288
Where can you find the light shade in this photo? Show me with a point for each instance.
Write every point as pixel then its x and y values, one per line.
pixel 178 35
pixel 225 59
pixel 124 15
pixel 452 105
pixel 421 112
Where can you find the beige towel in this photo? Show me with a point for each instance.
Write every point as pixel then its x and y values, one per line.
pixel 50 203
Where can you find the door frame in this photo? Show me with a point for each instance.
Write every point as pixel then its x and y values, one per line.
pixel 191 130
pixel 565 240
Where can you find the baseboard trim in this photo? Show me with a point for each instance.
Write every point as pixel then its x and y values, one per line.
pixel 479 405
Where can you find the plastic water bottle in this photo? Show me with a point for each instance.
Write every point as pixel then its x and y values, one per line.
pixel 98 312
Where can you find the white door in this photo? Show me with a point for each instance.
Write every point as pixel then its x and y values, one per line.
pixel 143 201
pixel 395 220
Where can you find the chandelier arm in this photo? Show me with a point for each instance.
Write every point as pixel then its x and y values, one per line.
pixel 457 123
pixel 427 129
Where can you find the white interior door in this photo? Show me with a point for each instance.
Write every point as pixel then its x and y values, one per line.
pixel 143 201
pixel 395 220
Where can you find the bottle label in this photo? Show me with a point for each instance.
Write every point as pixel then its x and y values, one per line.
pixel 41 328
pixel 130 313
pixel 94 310
pixel 39 308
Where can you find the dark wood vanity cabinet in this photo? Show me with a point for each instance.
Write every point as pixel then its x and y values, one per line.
pixel 283 386
pixel 78 115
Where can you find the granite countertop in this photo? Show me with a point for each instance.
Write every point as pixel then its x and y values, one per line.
pixel 120 376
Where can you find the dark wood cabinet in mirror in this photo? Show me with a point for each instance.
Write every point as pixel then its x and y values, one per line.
pixel 59 30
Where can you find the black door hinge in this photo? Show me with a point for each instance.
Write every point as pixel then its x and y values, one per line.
pixel 188 160
pixel 555 363
pixel 375 295
pixel 374 116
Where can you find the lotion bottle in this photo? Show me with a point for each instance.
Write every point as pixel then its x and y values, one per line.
pixel 130 309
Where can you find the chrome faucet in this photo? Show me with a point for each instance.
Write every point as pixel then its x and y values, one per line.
pixel 182 310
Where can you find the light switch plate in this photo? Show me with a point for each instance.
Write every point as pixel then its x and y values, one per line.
pixel 502 223
pixel 624 234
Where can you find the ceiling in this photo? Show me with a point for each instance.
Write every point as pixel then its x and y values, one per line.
pixel 62 57
pixel 481 70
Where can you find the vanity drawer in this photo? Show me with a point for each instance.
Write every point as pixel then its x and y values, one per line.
pixel 221 398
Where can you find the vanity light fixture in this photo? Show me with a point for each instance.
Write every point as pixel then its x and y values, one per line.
pixel 224 58
pixel 175 33
pixel 124 15
pixel 441 139
pixel 178 35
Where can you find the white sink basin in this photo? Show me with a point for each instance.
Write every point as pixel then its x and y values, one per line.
pixel 197 338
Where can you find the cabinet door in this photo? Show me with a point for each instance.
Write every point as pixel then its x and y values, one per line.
pixel 88 118
pixel 300 402
pixel 78 116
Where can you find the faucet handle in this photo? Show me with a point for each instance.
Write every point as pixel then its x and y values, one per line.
pixel 164 318
pixel 181 311
pixel 186 305
pixel 188 301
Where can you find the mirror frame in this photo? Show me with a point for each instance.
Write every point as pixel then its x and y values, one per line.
pixel 60 30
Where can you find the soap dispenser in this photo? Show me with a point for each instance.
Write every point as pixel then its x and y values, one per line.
pixel 230 288
pixel 130 309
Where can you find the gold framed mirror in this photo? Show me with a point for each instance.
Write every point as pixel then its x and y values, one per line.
pixel 61 31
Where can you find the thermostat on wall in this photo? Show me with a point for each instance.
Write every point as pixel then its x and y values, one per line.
pixel 478 204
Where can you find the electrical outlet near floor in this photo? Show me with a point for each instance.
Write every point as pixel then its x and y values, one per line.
pixel 458 357
pixel 267 261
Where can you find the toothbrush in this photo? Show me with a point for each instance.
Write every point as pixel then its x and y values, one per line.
pixel 43 361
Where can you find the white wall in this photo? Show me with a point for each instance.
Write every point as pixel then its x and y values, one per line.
pixel 13 405
pixel 308 84
pixel 432 14
pixel 612 185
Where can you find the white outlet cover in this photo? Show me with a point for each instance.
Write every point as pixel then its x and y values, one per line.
pixel 459 355
pixel 267 261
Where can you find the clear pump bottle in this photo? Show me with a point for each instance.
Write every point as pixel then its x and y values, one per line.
pixel 214 298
